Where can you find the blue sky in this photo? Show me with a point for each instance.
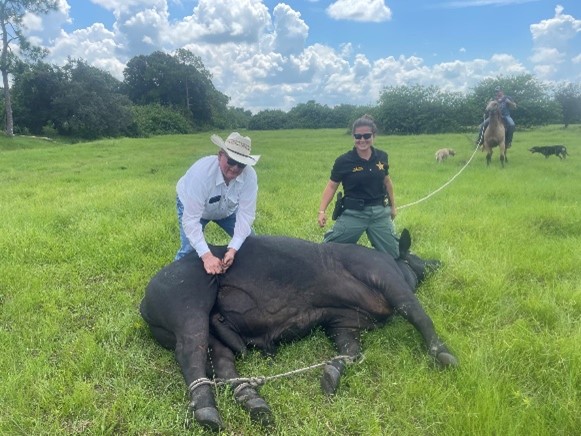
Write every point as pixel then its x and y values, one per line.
pixel 267 54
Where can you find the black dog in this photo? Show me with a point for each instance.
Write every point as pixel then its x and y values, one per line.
pixel 548 150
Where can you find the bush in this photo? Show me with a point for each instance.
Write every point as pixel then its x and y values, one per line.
pixel 155 119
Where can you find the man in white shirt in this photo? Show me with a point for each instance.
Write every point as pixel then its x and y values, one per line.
pixel 222 188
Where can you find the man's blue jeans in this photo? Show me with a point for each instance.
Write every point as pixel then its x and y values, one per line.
pixel 227 224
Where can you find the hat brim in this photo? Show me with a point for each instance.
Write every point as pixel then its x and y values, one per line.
pixel 246 160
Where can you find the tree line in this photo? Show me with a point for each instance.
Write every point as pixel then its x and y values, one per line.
pixel 165 93
pixel 173 94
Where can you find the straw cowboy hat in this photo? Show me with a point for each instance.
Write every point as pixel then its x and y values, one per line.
pixel 236 147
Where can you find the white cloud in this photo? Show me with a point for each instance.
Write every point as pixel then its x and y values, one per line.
pixel 289 29
pixel 553 42
pixel 222 21
pixel 262 60
pixel 359 10
pixel 95 44
pixel 44 28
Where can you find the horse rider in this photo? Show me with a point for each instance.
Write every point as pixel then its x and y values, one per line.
pixel 505 103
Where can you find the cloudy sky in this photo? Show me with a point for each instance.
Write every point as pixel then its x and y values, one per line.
pixel 267 54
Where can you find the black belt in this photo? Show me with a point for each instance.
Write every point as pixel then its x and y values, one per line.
pixel 377 202
pixel 359 203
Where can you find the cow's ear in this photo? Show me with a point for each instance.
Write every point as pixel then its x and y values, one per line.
pixel 405 242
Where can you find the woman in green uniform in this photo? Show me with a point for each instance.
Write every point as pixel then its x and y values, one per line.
pixel 368 202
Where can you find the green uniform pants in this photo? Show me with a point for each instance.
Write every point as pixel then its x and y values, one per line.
pixel 374 220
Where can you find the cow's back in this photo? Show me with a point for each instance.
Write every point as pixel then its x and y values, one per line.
pixel 279 288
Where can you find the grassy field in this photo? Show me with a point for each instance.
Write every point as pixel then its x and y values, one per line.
pixel 83 228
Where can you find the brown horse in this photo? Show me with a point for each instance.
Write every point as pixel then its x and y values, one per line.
pixel 494 134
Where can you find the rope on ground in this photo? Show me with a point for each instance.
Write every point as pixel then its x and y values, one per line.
pixel 443 186
pixel 259 381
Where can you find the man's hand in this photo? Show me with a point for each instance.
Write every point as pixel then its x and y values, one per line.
pixel 228 259
pixel 212 264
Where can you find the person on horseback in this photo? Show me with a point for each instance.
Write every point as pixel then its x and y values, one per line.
pixel 506 103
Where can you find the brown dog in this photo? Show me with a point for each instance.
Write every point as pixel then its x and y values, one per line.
pixel 443 153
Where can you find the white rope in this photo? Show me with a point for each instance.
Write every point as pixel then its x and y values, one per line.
pixel 259 381
pixel 441 187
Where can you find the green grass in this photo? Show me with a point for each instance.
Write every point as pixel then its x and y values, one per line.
pixel 83 227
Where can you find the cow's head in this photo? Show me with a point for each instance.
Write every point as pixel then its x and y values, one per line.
pixel 413 267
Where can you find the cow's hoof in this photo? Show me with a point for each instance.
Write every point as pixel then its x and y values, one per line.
pixel 447 359
pixel 330 379
pixel 259 412
pixel 209 418
pixel 254 404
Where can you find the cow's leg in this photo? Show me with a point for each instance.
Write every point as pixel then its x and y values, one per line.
pixel 348 344
pixel 413 312
pixel 191 353
pixel 244 393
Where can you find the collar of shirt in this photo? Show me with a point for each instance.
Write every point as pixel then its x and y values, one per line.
pixel 357 157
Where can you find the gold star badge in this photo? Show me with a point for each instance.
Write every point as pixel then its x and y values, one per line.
pixel 380 165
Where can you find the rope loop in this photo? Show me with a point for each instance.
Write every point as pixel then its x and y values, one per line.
pixel 254 382
pixel 199 382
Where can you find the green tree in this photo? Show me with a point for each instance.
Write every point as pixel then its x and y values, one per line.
pixel 238 117
pixel 12 13
pixel 342 116
pixel 89 104
pixel 568 95
pixel 270 119
pixel 418 109
pixel 534 106
pixel 154 119
pixel 33 90
pixel 179 81
pixel 309 115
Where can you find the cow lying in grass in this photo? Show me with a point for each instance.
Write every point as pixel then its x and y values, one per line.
pixel 548 150
pixel 279 289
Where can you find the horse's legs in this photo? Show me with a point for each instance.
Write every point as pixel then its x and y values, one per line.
pixel 509 132
pixel 244 393
pixel 502 154
pixel 488 157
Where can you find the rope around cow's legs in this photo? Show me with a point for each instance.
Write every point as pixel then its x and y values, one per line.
pixel 243 382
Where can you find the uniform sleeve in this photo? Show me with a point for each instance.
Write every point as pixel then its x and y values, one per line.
pixel 336 175
pixel 194 191
pixel 246 210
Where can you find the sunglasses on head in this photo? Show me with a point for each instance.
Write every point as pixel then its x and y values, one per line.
pixel 231 162
pixel 362 135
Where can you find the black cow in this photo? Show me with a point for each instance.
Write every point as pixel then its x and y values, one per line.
pixel 279 289
pixel 548 150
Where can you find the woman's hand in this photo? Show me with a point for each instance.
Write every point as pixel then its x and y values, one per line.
pixel 322 218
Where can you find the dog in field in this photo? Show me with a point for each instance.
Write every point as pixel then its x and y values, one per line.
pixel 548 150
pixel 443 153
